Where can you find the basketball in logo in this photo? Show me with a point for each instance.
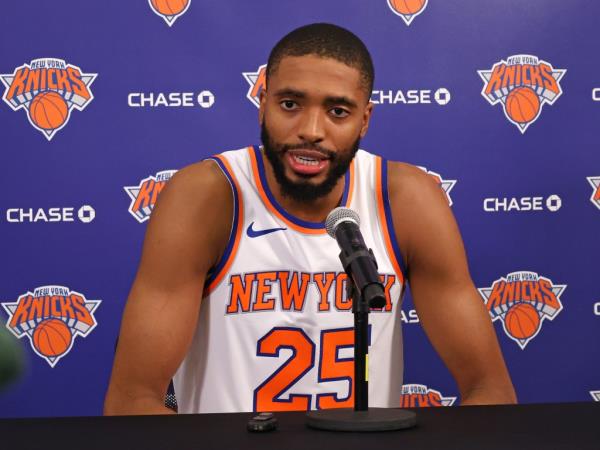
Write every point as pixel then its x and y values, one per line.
pixel 407 6
pixel 52 337
pixel 522 321
pixel 522 104
pixel 169 7
pixel 48 110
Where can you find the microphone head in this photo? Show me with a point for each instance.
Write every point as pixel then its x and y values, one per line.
pixel 339 215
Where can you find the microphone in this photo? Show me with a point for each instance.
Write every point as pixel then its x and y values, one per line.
pixel 342 224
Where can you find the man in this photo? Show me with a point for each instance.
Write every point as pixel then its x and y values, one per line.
pixel 240 295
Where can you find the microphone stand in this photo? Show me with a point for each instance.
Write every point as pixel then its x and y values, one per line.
pixel 361 418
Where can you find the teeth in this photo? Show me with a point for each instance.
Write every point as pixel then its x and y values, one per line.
pixel 306 161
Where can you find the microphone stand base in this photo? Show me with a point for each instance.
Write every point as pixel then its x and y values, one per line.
pixel 373 419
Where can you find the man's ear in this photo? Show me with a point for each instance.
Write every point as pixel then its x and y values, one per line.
pixel 366 118
pixel 261 109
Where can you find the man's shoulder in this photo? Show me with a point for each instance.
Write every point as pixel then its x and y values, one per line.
pixel 203 182
pixel 408 183
pixel 208 173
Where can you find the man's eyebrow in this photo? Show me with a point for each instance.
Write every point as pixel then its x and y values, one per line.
pixel 289 92
pixel 332 100
pixel 345 101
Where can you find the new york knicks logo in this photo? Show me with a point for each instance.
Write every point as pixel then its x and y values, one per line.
pixel 144 195
pixel 257 81
pixel 419 395
pixel 51 317
pixel 407 9
pixel 595 198
pixel 169 10
pixel 48 89
pixel 446 185
pixel 522 301
pixel 522 84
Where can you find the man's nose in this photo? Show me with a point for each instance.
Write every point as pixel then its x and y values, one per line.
pixel 312 126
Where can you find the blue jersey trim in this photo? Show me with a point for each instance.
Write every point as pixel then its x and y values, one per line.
pixel 388 216
pixel 214 272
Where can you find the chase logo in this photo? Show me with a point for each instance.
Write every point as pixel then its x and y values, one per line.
pixel 169 10
pixel 257 81
pixel 522 84
pixel 419 395
pixel 521 301
pixel 144 195
pixel 595 198
pixel 51 317
pixel 441 96
pixel 446 185
pixel 407 9
pixel 48 89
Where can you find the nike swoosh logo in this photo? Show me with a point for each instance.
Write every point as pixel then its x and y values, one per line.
pixel 252 233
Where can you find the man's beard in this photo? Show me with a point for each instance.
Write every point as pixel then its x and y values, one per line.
pixel 305 191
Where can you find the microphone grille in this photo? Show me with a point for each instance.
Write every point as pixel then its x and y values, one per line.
pixel 339 215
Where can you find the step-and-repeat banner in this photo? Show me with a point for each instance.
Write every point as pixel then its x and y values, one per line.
pixel 103 101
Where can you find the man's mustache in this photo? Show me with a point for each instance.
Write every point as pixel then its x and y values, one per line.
pixel 309 146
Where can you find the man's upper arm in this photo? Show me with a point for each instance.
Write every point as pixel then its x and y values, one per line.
pixel 449 307
pixel 185 238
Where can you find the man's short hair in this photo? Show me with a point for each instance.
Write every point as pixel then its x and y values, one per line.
pixel 327 41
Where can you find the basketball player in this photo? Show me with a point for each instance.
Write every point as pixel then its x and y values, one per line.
pixel 240 295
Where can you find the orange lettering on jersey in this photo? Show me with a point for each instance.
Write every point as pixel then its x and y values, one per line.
pixel 240 293
pixel 263 288
pixel 293 293
pixel 334 368
pixel 388 281
pixel 323 282
pixel 342 303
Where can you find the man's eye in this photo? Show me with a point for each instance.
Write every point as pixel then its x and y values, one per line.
pixel 339 112
pixel 288 105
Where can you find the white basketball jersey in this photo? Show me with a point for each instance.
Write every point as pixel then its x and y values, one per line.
pixel 275 330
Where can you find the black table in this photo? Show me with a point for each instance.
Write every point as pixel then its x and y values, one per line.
pixel 571 426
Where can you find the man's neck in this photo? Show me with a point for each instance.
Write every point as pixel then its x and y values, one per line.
pixel 314 211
